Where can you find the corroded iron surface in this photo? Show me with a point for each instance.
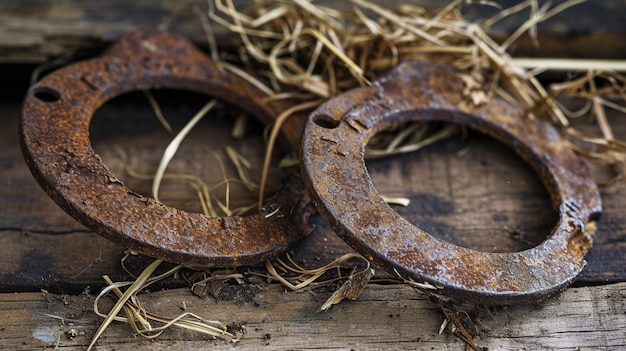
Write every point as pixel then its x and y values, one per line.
pixel 333 167
pixel 55 142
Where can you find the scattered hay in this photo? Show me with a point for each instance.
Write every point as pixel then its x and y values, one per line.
pixel 141 320
pixel 317 52
pixel 304 276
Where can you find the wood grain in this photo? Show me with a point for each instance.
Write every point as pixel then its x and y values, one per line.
pixel 393 317
pixel 39 30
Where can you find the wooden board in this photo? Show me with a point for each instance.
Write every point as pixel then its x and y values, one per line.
pixel 386 317
pixel 40 30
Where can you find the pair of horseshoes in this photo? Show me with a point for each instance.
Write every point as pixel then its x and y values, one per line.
pixel 55 142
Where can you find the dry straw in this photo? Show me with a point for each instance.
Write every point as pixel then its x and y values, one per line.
pixel 307 51
pixel 142 321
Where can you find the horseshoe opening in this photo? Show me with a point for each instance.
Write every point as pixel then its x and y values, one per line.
pixel 130 139
pixel 472 191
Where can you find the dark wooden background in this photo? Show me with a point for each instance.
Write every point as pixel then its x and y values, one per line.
pixel 467 189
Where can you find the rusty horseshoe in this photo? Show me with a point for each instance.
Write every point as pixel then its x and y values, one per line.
pixel 55 142
pixel 334 172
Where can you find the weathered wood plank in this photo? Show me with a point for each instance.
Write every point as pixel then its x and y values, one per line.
pixel 36 31
pixel 40 30
pixel 393 317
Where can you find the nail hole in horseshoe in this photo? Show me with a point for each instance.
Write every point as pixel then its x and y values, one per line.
pixel 47 94
pixel 474 192
pixel 127 135
pixel 325 121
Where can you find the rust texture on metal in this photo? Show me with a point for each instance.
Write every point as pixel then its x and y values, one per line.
pixel 334 172
pixel 55 142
